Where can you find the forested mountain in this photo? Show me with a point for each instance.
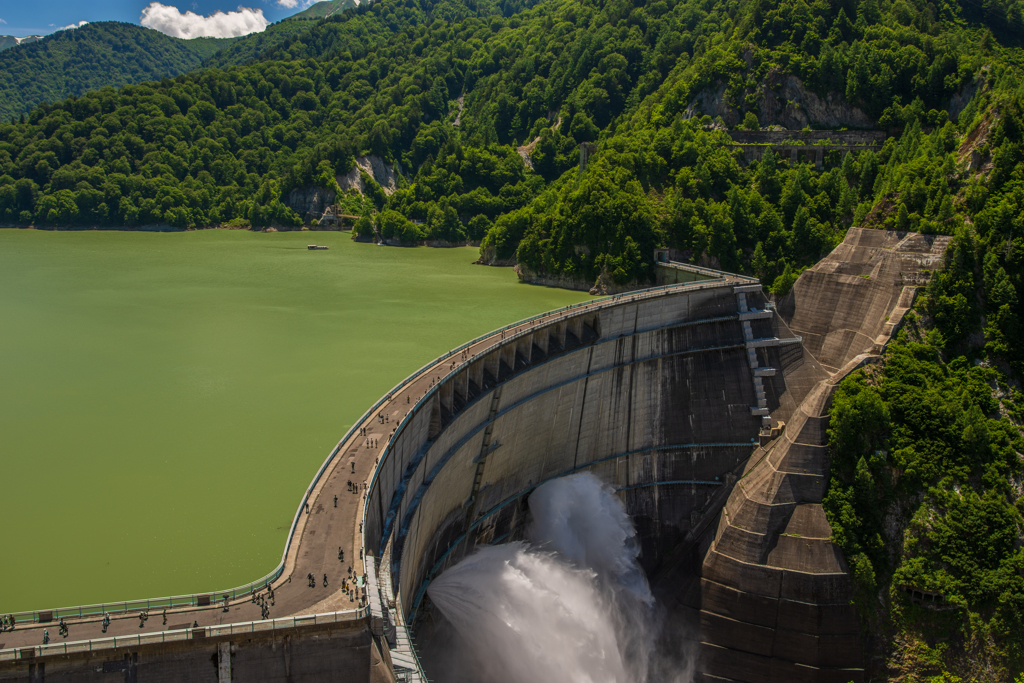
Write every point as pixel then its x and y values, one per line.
pixel 484 105
pixel 93 56
pixel 13 41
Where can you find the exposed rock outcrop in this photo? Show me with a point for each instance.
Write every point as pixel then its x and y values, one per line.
pixel 310 202
pixel 782 100
pixel 603 286
pixel 959 101
pixel 375 167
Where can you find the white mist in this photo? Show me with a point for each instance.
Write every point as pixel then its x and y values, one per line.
pixel 572 605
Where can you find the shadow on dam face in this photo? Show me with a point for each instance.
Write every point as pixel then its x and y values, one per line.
pixel 705 413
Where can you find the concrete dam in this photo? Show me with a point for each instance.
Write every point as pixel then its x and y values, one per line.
pixel 702 404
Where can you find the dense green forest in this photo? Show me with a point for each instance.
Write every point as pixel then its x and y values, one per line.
pixel 75 61
pixel 928 453
pixel 390 79
pixel 484 104
pixel 114 54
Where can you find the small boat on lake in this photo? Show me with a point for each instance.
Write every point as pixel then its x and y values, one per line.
pixel 313 247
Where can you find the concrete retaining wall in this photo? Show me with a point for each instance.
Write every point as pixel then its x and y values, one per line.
pixel 308 654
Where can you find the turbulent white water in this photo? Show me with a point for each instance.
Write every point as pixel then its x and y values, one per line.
pixel 571 605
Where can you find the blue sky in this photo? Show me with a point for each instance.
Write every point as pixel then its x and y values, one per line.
pixel 39 17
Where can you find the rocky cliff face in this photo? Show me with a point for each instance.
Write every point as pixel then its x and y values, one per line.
pixel 603 286
pixel 385 175
pixel 310 202
pixel 782 101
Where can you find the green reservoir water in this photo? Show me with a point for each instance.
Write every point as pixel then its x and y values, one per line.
pixel 165 399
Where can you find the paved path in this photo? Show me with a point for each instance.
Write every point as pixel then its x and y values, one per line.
pixel 319 534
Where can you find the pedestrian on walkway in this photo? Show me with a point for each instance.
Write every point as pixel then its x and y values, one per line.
pixel 325 580
pixel 11 619
pixel 335 500
pixel 307 508
pixel 46 636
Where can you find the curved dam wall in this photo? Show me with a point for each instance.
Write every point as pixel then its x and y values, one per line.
pixel 664 395
pixel 655 396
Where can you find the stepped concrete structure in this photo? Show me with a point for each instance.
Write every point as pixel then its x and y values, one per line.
pixel 775 593
pixel 701 403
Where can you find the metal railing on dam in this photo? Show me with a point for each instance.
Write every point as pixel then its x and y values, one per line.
pixel 179 635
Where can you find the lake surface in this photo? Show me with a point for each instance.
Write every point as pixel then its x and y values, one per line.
pixel 165 399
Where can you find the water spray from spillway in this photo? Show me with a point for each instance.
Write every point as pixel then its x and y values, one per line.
pixel 571 604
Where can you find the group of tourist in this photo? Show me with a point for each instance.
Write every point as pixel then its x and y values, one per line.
pixel 264 601
pixel 7 624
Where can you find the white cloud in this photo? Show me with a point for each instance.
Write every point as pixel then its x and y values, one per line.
pixel 2 21
pixel 71 26
pixel 168 19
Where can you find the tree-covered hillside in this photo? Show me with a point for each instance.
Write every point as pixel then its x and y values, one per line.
pixel 392 78
pixel 484 105
pixel 529 85
pixel 93 56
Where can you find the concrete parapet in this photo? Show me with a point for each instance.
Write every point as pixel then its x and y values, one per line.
pixel 329 652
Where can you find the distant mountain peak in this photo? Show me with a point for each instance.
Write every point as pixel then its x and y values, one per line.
pixel 324 9
pixel 14 41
